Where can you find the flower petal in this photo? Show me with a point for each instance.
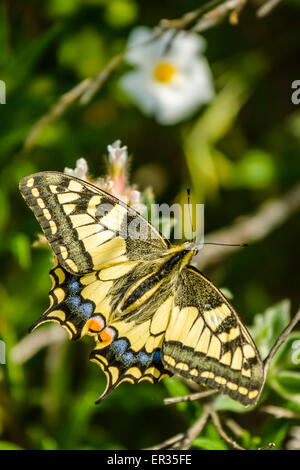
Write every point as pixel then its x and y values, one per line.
pixel 172 100
pixel 139 53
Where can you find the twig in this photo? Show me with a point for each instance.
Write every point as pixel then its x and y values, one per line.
pixel 279 412
pixel 234 427
pixel 194 430
pixel 218 14
pixel 83 92
pixel 279 342
pixel 188 19
pixel 217 423
pixel 196 21
pixel 266 8
pixel 169 442
pixel 98 81
pixel 184 441
pixel 191 397
pixel 248 229
pixel 37 340
pixel 268 446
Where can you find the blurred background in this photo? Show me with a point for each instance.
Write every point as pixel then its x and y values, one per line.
pixel 235 153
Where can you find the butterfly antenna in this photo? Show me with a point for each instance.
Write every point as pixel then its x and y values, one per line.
pixel 226 244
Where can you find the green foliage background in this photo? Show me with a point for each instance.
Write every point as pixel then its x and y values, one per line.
pixel 241 150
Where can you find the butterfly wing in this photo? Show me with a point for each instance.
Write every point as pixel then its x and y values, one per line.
pixel 89 230
pixel 133 352
pixel 86 227
pixel 128 348
pixel 205 341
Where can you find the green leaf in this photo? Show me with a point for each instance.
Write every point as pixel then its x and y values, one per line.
pixel 20 247
pixel 176 387
pixel 59 8
pixel 288 355
pixel 255 170
pixel 84 52
pixel 209 444
pixel 18 68
pixel 268 326
pixel 222 402
pixel 121 13
pixel 287 384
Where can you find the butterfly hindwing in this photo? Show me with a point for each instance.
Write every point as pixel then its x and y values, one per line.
pixel 205 341
pixel 132 355
pixel 129 349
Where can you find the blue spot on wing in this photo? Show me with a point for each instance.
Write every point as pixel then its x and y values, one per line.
pixel 156 357
pixel 143 357
pixel 86 309
pixel 128 357
pixel 120 345
pixel 75 301
pixel 74 286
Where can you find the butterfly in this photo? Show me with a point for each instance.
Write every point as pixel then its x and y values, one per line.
pixel 152 313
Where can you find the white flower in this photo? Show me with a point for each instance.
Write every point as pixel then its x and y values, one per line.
pixel 117 155
pixel 171 79
pixel 80 171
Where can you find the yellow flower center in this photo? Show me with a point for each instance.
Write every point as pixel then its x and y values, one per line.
pixel 164 72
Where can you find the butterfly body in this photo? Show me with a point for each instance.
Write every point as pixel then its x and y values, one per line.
pixel 118 279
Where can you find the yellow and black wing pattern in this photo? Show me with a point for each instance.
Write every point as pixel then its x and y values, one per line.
pixel 86 227
pixel 205 341
pixel 126 351
pixel 97 259
pixel 152 315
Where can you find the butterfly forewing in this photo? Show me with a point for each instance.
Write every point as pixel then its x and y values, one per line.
pixel 86 227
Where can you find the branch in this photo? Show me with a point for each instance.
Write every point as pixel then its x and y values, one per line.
pixel 249 229
pixel 191 397
pixel 184 441
pixel 196 21
pixel 102 76
pixel 279 412
pixel 266 8
pixel 217 423
pixel 231 8
pixel 37 340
